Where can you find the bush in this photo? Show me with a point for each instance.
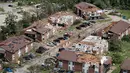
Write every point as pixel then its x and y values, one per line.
pixel 12 66
pixel 26 25
pixel 115 46
pixel 126 38
pixel 76 22
pixel 117 58
pixel 20 4
pixel 1 9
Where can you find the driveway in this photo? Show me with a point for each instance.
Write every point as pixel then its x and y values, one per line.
pixel 115 18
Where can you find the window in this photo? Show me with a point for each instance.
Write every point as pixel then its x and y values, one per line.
pixel 60 64
pixel 69 68
pixel 19 53
pixel 13 57
pixel 31 44
pixel 26 49
pixel 83 70
pixel 125 71
pixel 70 65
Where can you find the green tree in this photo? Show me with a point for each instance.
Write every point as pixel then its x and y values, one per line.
pixel 126 38
pixel 26 20
pixel 3 33
pixel 115 45
pixel 117 58
pixel 10 22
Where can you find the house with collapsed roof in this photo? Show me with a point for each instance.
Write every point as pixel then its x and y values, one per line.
pixel 82 62
pixel 14 47
pixel 88 11
pixel 116 30
pixel 125 66
pixel 39 30
pixel 92 44
pixel 63 19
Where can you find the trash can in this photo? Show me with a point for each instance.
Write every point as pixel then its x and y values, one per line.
pixel 124 17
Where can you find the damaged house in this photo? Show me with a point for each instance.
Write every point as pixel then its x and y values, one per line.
pixel 92 44
pixel 82 62
pixel 63 19
pixel 39 31
pixel 88 11
pixel 15 47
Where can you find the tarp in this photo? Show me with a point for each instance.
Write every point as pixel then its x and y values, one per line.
pixel 8 70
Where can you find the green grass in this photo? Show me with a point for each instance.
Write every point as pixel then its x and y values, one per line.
pixel 1 9
pixel 125 13
pixel 117 70
pixel 105 20
pixel 47 71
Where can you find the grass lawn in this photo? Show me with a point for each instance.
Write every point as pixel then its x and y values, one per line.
pixel 47 71
pixel 117 70
pixel 104 20
pixel 125 13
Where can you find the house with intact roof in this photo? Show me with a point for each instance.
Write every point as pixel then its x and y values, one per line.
pixel 88 11
pixel 119 29
pixel 15 47
pixel 82 62
pixel 125 66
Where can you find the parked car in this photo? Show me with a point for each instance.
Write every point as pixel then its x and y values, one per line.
pixel 83 25
pixel 10 5
pixel 66 35
pixel 56 40
pixel 79 28
pixel 92 21
pixel 61 38
pixel 27 57
pixel 41 50
pixel 54 43
pixel 51 44
pixel 61 71
pixel 69 71
pixel 31 55
pixel 60 49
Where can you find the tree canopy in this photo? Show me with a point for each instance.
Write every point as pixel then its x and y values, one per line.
pixel 115 45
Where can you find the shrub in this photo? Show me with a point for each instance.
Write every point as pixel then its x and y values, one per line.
pixel 20 4
pixel 1 9
pixel 126 38
pixel 115 45
pixel 76 22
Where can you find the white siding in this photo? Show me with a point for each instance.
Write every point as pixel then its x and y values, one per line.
pixel 13 57
pixel 60 64
pixel 19 53
pixel 70 65
pixel 26 49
